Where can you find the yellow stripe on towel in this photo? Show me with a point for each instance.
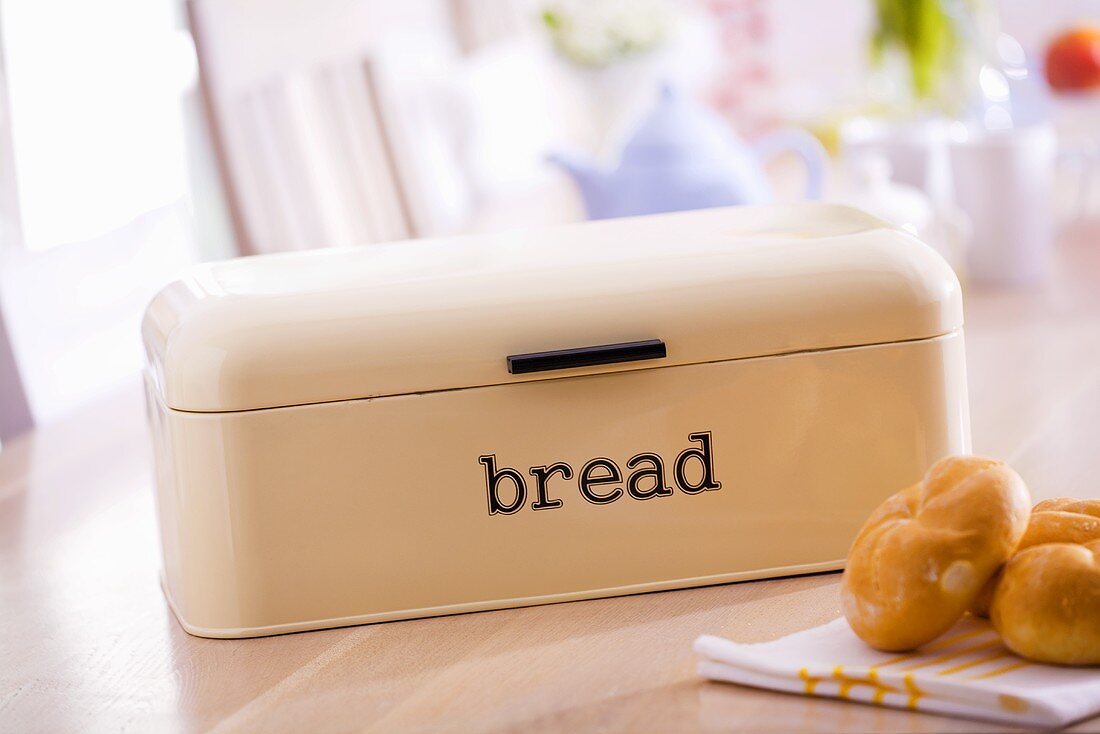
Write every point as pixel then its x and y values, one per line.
pixel 934 647
pixel 920 659
pixel 846 684
pixel 988 644
pixel 871 679
pixel 1002 653
pixel 915 692
pixel 1001 671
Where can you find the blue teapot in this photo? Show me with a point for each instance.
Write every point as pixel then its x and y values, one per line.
pixel 685 156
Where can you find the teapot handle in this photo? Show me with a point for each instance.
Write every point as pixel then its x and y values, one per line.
pixel 803 144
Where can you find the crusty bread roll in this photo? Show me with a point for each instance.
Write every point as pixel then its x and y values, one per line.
pixel 1058 520
pixel 1063 520
pixel 1047 604
pixel 926 552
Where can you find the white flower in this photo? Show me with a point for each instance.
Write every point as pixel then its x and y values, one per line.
pixel 599 32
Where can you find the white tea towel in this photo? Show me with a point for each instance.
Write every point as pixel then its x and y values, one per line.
pixel 966 672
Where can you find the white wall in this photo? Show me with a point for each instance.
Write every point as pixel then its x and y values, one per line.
pixel 100 174
pixel 74 312
pixel 819 53
pixel 1035 22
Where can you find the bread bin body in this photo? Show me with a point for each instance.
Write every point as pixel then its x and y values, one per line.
pixel 339 439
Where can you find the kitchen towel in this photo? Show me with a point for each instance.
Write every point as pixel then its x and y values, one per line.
pixel 966 672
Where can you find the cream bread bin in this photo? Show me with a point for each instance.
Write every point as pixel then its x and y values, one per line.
pixel 422 428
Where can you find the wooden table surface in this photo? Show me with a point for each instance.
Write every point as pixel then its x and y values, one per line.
pixel 88 644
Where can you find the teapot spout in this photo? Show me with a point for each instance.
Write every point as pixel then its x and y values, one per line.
pixel 591 181
pixel 581 169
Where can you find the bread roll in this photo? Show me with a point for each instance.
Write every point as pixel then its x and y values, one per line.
pixel 1063 520
pixel 1059 520
pixel 926 552
pixel 1047 604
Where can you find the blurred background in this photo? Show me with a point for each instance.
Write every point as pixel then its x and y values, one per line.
pixel 140 136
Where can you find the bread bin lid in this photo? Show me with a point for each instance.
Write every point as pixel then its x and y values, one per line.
pixel 413 317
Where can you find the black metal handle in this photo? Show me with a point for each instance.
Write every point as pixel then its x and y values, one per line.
pixel 562 359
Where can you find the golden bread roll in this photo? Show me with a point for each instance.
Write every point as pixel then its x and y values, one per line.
pixel 1059 520
pixel 1063 520
pixel 926 552
pixel 1047 604
pixel 1068 504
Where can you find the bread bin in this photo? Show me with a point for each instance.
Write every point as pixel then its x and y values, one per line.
pixel 421 428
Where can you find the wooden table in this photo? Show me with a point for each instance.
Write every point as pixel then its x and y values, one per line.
pixel 87 642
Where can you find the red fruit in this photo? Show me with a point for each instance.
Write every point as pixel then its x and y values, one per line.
pixel 1073 60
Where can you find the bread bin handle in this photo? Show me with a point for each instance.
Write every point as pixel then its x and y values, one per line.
pixel 562 359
